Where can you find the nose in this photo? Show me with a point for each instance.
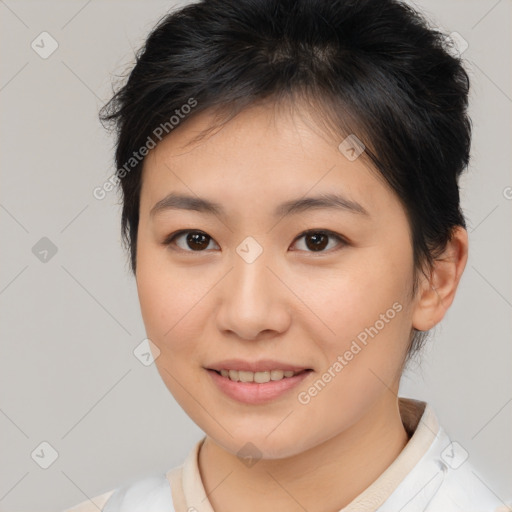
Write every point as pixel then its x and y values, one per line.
pixel 254 302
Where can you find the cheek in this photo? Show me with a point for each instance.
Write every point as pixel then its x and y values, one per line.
pixel 355 297
pixel 366 309
pixel 170 301
pixel 364 356
pixel 160 293
pixel 167 307
pixel 154 299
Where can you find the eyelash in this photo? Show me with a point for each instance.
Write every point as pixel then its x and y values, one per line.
pixel 343 242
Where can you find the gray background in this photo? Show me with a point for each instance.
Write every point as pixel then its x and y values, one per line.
pixel 69 325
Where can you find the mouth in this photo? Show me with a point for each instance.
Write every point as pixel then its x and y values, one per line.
pixel 255 388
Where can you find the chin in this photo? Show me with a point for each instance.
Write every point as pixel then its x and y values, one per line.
pixel 256 443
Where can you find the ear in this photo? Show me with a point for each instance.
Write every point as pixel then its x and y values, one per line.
pixel 436 293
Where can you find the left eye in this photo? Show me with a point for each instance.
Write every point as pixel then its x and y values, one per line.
pixel 198 241
pixel 317 240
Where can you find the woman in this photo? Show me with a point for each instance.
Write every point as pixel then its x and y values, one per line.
pixel 290 202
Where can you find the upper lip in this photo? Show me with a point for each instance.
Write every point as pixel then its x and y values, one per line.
pixel 263 365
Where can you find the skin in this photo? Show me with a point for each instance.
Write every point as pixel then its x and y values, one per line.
pixel 291 304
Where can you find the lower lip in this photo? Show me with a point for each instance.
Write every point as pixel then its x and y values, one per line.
pixel 253 392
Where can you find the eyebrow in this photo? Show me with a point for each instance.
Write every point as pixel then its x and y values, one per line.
pixel 174 201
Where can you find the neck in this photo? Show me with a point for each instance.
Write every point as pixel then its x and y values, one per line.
pixel 338 469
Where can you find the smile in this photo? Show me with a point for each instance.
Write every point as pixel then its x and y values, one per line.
pixel 256 387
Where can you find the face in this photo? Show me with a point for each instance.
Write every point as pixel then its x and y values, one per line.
pixel 324 288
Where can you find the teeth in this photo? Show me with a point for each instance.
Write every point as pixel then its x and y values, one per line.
pixel 258 377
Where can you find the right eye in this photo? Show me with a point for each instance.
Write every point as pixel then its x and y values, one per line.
pixel 196 241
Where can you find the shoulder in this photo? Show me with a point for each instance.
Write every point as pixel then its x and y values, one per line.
pixel 464 490
pixel 438 475
pixel 160 492
pixel 148 493
pixel 461 488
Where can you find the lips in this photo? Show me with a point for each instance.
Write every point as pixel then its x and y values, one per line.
pixel 256 393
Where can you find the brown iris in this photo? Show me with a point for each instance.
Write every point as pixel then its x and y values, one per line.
pixel 319 241
pixel 197 240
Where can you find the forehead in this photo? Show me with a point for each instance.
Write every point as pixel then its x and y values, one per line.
pixel 260 158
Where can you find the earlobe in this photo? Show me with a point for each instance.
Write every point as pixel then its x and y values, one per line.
pixel 436 293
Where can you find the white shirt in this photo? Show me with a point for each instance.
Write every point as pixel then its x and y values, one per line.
pixel 431 474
